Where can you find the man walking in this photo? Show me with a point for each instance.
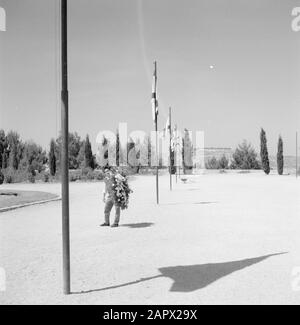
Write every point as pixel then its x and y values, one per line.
pixel 108 199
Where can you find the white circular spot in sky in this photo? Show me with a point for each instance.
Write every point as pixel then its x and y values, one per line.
pixel 211 67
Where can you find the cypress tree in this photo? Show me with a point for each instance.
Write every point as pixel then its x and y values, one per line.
pixel 264 152
pixel 2 148
pixel 187 152
pixel 280 159
pixel 118 149
pixel 13 157
pixel 52 158
pixel 88 154
pixel 15 149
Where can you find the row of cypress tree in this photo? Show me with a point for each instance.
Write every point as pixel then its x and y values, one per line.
pixel 265 155
pixel 83 154
pixel 88 160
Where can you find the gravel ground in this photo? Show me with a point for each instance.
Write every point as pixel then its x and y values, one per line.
pixel 219 239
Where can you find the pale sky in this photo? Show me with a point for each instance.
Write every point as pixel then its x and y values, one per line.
pixel 227 67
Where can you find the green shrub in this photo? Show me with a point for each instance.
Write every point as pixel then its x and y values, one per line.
pixel 129 171
pixel 86 171
pixel 46 177
pixel 31 170
pixel 223 163
pixel 8 179
pixel 90 175
pixel 31 178
pixel 99 175
pixel 85 174
pixel 9 176
pixel 245 157
pixel 72 178
pixel 212 163
pixel 15 176
pixel 20 176
pixel 75 175
pixel 1 178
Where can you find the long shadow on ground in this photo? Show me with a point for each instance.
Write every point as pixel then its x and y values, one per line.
pixel 139 225
pixel 194 277
pixel 193 203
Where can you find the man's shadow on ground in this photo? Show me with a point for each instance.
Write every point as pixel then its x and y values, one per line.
pixel 138 225
pixel 192 203
pixel 194 277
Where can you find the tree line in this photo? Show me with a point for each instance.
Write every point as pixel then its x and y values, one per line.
pixel 246 158
pixel 27 159
pixel 24 160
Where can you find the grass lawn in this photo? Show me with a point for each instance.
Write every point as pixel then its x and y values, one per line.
pixel 12 198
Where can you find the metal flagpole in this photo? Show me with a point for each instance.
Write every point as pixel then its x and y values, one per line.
pixel 296 154
pixel 157 160
pixel 155 112
pixel 176 153
pixel 64 152
pixel 179 167
pixel 157 163
pixel 170 149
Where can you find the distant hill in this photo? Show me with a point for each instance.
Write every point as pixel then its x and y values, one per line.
pixel 217 153
pixel 289 161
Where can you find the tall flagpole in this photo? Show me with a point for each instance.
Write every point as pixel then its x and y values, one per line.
pixel 176 153
pixel 157 160
pixel 296 154
pixel 64 151
pixel 170 145
pixel 155 112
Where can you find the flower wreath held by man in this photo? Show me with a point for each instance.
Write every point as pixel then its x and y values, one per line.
pixel 115 194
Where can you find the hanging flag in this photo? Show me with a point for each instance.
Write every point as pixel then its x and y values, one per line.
pixel 175 131
pixel 168 124
pixel 166 130
pixel 164 133
pixel 175 139
pixel 154 94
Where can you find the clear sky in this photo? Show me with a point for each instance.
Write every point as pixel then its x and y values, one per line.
pixel 255 55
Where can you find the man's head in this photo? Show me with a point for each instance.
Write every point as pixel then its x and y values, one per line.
pixel 109 171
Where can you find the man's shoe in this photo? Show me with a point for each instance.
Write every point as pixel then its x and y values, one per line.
pixel 115 225
pixel 105 225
